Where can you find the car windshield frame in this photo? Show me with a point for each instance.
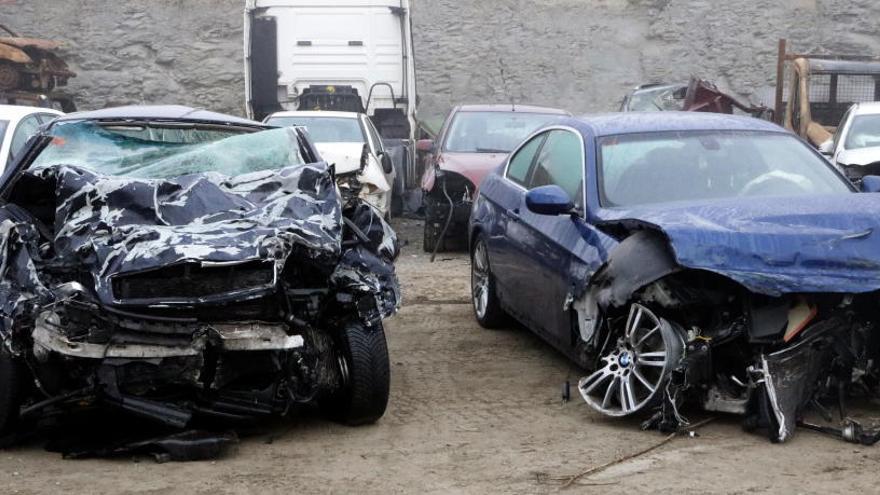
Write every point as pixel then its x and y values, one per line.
pixel 304 121
pixel 600 175
pixel 548 118
pixel 230 153
pixel 848 143
pixel 4 127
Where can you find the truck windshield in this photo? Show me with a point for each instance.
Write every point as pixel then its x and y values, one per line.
pixel 681 166
pixel 325 129
pixel 160 152
pixel 492 132
pixel 864 132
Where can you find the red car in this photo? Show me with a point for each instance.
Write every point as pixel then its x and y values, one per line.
pixel 473 141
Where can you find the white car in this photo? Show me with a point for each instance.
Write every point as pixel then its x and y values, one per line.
pixel 340 138
pixel 855 148
pixel 17 124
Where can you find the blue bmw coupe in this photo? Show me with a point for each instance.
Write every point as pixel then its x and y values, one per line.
pixel 681 257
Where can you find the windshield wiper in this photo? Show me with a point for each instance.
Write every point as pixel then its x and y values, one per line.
pixel 490 150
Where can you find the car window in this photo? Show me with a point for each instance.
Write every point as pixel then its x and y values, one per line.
pixel 561 162
pixel 158 152
pixel 521 161
pixel 661 167
pixel 838 134
pixel 374 136
pixel 325 129
pixel 26 128
pixel 492 132
pixel 45 118
pixel 864 132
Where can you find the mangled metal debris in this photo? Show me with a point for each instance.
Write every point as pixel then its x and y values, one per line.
pixel 698 95
pixel 178 265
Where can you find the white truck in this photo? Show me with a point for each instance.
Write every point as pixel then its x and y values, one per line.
pixel 348 55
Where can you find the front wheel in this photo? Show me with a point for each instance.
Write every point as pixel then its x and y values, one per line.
pixel 487 310
pixel 364 366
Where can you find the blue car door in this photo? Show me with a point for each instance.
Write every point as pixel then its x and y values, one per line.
pixel 507 196
pixel 544 248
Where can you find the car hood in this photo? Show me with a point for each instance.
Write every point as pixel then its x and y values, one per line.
pixel 345 156
pixel 474 166
pixel 772 245
pixel 109 226
pixel 859 156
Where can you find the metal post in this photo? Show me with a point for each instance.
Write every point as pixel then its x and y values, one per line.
pixel 780 81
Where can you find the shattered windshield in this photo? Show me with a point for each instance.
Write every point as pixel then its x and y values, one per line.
pixel 325 129
pixel 864 132
pixel 492 132
pixel 680 166
pixel 161 152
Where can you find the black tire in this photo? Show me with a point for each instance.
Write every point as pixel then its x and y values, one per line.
pixel 11 387
pixel 366 378
pixel 433 228
pixel 487 309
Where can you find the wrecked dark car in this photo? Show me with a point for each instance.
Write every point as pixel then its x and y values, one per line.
pixel 687 258
pixel 178 264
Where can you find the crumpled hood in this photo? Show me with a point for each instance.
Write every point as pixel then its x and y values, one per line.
pixel 346 156
pixel 112 225
pixel 859 156
pixel 474 166
pixel 774 245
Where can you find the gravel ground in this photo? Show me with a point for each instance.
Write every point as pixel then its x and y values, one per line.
pixel 471 411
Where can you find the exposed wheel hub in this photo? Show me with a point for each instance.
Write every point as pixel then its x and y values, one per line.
pixel 633 373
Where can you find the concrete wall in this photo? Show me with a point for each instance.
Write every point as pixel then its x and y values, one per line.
pixel 579 54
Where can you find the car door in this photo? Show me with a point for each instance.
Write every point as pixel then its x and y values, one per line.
pixel 26 128
pixel 507 196
pixel 543 246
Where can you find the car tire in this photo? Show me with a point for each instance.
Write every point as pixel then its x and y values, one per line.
pixel 431 239
pixel 484 299
pixel 366 374
pixel 11 386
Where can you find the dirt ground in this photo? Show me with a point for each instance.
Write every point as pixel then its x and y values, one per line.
pixel 471 411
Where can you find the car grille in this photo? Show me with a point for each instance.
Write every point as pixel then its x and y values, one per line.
pixel 186 281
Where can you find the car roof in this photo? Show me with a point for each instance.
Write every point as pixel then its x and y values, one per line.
pixel 315 113
pixel 638 122
pixel 20 111
pixel 511 107
pixel 178 113
pixel 867 108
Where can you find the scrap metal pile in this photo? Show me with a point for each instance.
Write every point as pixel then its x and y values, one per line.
pixel 31 68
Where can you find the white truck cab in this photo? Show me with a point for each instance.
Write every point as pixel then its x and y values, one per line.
pixel 348 55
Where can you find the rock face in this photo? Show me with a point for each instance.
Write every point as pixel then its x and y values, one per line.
pixel 583 55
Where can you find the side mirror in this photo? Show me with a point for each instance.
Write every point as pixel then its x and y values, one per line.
pixel 549 200
pixel 871 183
pixel 827 148
pixel 426 145
pixel 387 165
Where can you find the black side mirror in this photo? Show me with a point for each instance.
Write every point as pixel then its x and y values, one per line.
pixel 387 165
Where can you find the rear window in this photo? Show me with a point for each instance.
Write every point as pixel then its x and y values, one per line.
pixel 325 129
